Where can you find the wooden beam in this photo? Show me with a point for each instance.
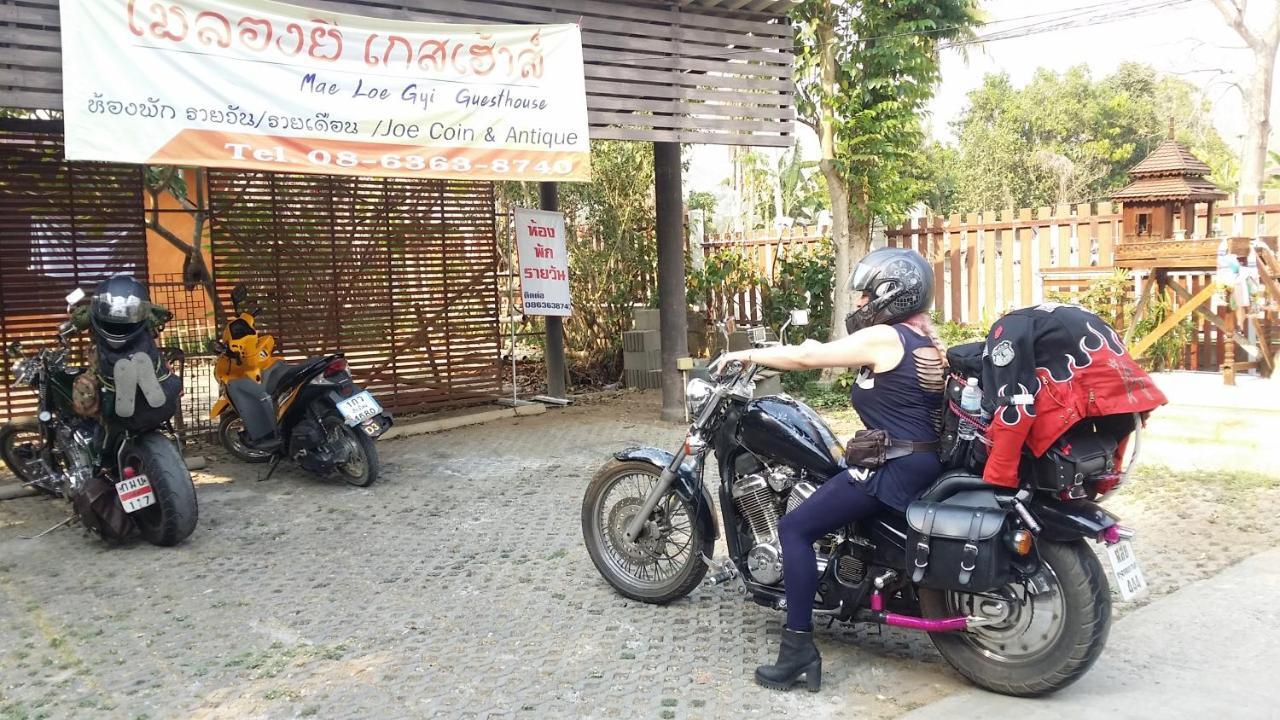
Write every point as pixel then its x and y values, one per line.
pixel 1140 311
pixel 1172 321
pixel 1213 319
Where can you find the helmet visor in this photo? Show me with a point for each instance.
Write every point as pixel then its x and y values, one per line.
pixel 118 309
pixel 860 278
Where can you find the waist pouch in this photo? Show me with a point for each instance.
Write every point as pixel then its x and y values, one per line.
pixel 872 448
pixel 955 547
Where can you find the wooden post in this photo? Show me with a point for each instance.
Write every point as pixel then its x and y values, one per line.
pixel 549 199
pixel 1229 361
pixel 671 279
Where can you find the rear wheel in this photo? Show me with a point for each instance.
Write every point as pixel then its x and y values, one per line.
pixel 665 562
pixel 1041 642
pixel 173 516
pixel 357 455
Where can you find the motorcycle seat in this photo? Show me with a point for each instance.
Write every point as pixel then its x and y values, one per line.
pixel 952 483
pixel 286 378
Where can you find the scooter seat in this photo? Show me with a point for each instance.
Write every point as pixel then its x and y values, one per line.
pixel 277 379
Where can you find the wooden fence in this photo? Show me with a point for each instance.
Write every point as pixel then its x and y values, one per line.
pixel 988 263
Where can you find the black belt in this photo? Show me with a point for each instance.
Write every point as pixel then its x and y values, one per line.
pixel 902 448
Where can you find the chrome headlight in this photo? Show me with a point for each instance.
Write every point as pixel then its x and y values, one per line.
pixel 696 395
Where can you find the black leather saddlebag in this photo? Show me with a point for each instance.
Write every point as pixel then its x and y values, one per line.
pixel 956 547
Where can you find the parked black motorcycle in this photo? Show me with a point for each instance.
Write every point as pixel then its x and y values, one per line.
pixel 118 472
pixel 1004 581
pixel 312 412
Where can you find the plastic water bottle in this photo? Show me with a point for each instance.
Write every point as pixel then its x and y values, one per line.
pixel 970 402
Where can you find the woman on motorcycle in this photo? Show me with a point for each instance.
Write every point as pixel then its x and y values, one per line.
pixel 898 390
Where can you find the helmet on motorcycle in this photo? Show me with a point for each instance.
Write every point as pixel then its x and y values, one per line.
pixel 119 310
pixel 899 283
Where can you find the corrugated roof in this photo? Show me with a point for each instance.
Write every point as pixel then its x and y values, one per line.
pixel 1170 188
pixel 1170 158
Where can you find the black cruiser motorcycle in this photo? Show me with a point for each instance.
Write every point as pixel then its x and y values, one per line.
pixel 117 473
pixel 1003 580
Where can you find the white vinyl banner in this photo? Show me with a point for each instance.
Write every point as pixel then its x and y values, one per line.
pixel 544 262
pixel 264 85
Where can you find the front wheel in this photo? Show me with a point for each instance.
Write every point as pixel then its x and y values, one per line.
pixel 1042 641
pixel 230 429
pixel 173 516
pixel 21 443
pixel 665 562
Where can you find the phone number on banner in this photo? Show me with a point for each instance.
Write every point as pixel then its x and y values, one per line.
pixel 325 160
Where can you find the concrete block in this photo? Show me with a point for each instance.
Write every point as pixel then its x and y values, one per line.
pixel 641 341
pixel 647 319
pixel 651 360
pixel 643 379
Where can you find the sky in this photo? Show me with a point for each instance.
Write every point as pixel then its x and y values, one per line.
pixel 1191 40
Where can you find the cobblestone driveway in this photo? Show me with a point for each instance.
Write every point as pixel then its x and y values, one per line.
pixel 454 587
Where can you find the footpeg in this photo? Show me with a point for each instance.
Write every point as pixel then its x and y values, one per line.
pixel 721 572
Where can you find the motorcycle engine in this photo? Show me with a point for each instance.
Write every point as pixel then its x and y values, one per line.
pixel 308 447
pixel 759 500
pixel 74 444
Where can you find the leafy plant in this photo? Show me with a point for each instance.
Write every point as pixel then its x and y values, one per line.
pixel 1167 351
pixel 727 272
pixel 803 278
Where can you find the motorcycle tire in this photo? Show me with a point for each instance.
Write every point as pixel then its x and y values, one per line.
pixel 173 517
pixel 12 435
pixel 611 553
pixel 229 429
pixel 1078 608
pixel 365 473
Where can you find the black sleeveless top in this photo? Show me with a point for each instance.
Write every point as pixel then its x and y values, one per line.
pixel 906 402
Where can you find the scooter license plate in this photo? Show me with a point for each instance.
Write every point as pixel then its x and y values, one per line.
pixel 1129 578
pixel 135 493
pixel 358 408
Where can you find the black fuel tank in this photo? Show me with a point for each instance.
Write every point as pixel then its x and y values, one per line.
pixel 778 427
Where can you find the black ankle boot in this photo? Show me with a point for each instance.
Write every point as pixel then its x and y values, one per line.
pixel 797 657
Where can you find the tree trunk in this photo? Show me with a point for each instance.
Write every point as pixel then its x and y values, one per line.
pixel 1253 163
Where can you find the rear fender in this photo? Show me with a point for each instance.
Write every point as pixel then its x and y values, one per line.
pixel 686 484
pixel 1069 521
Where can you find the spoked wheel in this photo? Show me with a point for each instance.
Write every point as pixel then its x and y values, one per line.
pixel 1037 642
pixel 20 446
pixel 357 456
pixel 665 562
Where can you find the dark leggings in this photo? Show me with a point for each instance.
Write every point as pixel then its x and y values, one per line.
pixel 836 504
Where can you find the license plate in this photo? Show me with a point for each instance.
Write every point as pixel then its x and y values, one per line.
pixel 1129 576
pixel 135 493
pixel 359 408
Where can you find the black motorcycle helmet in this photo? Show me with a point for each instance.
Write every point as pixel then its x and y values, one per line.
pixel 119 310
pixel 899 282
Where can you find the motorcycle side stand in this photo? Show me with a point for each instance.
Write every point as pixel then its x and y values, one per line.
pixel 275 463
pixel 68 521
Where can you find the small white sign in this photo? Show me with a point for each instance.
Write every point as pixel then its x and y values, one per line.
pixel 544 262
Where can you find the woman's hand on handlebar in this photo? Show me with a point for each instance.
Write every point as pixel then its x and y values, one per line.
pixel 729 362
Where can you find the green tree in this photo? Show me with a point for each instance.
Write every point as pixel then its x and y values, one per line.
pixel 706 202
pixel 865 71
pixel 1068 138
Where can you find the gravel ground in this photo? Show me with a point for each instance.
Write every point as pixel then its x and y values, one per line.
pixel 458 586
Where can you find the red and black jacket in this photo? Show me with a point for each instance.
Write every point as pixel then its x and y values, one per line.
pixel 1047 367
